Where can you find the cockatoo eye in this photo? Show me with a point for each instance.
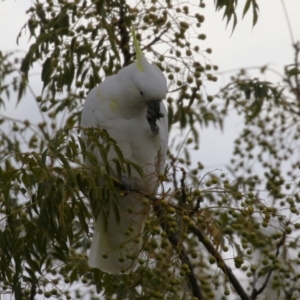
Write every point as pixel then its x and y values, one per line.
pixel 141 93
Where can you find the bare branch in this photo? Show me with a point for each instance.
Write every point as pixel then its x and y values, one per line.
pixel 173 160
pixel 297 64
pixel 124 40
pixel 156 39
pixel 32 292
pixel 256 292
pixel 182 186
pixel 221 264
pixel 288 22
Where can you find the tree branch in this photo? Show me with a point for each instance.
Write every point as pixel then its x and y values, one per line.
pixel 156 39
pixel 256 292
pixel 182 187
pixel 32 292
pixel 221 264
pixel 297 64
pixel 125 38
pixel 173 160
pixel 174 240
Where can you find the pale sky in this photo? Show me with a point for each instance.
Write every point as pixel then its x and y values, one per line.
pixel 269 42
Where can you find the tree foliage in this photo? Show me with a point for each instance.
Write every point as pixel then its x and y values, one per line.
pixel 206 228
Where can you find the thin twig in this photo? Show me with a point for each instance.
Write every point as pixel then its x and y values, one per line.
pixel 288 21
pixel 156 39
pixel 182 186
pixel 174 240
pixel 32 292
pixel 197 206
pixel 221 264
pixel 124 41
pixel 256 292
pixel 297 81
pixel 173 160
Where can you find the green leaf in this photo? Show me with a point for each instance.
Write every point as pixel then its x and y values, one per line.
pixel 31 27
pixel 116 211
pixel 170 116
pixel 118 167
pixel 98 279
pixel 70 74
pixel 34 49
pixel 44 156
pixel 246 7
pixel 92 82
pixel 88 47
pixel 95 73
pixel 73 44
pixel 100 7
pixel 138 168
pixel 25 178
pixel 22 88
pixel 82 147
pixel 110 65
pixel 80 66
pixel 255 17
pixel 31 271
pixel 83 75
pixel 128 168
pixel 73 275
pixel 81 50
pixel 119 153
pixel 46 71
pixel 293 72
pixel 103 56
pixel 18 291
pixel 99 45
pixel 183 119
pixel 112 40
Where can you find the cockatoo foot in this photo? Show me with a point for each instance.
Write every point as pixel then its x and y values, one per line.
pixel 126 184
pixel 153 114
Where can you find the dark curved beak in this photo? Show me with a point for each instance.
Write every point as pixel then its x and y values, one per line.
pixel 153 110
pixel 153 114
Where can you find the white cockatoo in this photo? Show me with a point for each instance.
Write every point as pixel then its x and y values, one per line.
pixel 129 107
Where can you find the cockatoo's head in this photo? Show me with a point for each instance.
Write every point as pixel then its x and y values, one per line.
pixel 151 83
pixel 148 78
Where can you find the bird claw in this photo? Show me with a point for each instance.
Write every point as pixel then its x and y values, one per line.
pixel 126 184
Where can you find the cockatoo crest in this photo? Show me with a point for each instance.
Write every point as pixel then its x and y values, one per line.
pixel 138 51
pixel 149 78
